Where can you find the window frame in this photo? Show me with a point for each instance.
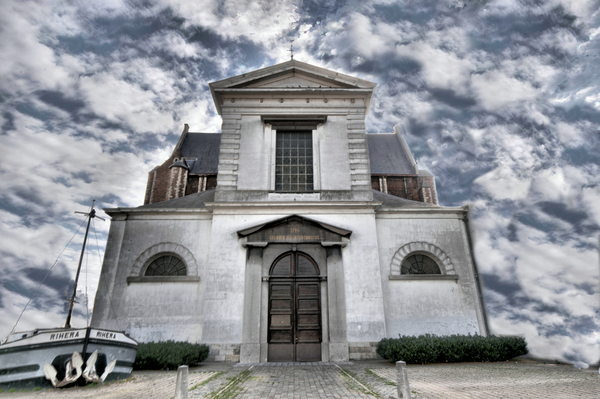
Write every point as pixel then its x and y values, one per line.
pixel 142 278
pixel 150 261
pixel 442 276
pixel 270 129
pixel 305 160
pixel 429 256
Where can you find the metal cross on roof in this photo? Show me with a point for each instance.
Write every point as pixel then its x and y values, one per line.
pixel 291 50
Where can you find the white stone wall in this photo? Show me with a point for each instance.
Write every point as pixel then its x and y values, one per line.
pixel 365 316
pixel 224 303
pixel 333 154
pixel 254 168
pixel 155 311
pixel 440 307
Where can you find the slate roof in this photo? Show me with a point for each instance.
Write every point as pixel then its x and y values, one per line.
pixel 387 155
pixel 204 147
pixel 385 151
pixel 199 200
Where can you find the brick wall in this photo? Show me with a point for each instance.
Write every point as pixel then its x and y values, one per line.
pixel 427 191
pixel 375 183
pixel 211 182
pixel 414 188
pixel 158 181
pixel 193 184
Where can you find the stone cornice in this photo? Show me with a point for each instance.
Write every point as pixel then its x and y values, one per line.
pixel 293 207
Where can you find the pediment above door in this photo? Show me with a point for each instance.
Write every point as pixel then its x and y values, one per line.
pixel 294 230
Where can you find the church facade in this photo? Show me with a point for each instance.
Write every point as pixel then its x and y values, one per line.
pixel 292 235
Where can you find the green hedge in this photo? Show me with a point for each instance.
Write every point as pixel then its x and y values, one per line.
pixel 168 355
pixel 451 349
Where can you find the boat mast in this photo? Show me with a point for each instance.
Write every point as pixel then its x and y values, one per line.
pixel 91 215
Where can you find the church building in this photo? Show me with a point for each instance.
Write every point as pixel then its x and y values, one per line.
pixel 292 235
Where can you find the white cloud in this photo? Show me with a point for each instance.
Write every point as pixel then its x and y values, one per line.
pixel 371 40
pixel 25 63
pixel 441 69
pixel 496 90
pixel 176 44
pixel 591 201
pixel 260 22
pixel 120 101
pixel 503 183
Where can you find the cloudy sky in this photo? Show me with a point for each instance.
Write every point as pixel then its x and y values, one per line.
pixel 501 98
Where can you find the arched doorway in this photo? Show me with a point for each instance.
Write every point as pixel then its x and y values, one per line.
pixel 294 309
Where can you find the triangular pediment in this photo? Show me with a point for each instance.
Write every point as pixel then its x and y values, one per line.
pixel 294 79
pixel 294 229
pixel 291 74
pixel 291 77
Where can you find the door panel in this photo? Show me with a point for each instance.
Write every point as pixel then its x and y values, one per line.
pixel 294 310
pixel 308 321
pixel 308 352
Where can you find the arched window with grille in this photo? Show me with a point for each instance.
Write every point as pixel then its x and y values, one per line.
pixel 419 263
pixel 166 264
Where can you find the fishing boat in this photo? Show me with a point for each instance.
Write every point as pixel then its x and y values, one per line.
pixel 66 355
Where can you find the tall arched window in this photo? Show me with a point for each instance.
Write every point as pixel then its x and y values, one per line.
pixel 166 264
pixel 419 264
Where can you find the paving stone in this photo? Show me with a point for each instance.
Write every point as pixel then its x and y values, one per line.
pixel 498 380
pixel 147 384
pixel 357 379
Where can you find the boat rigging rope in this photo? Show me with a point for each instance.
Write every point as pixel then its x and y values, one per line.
pixel 87 302
pixel 100 278
pixel 44 279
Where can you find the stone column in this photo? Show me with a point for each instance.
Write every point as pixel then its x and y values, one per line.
pixel 338 340
pixel 402 380
pixel 250 348
pixel 181 385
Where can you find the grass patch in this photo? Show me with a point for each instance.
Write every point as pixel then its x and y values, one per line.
pixel 380 379
pixel 355 383
pixel 233 389
pixel 206 381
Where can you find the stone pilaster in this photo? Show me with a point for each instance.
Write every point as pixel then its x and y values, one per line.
pixel 229 153
pixel 358 149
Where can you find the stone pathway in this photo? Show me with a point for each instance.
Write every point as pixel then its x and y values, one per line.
pixel 498 380
pixel 358 379
pixel 146 385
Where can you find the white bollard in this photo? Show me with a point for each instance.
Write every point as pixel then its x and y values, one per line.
pixel 402 378
pixel 181 386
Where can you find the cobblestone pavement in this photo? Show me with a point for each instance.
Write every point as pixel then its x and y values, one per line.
pixel 293 380
pixel 364 379
pixel 146 385
pixel 498 380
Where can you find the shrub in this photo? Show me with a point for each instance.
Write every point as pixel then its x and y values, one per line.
pixel 451 349
pixel 168 355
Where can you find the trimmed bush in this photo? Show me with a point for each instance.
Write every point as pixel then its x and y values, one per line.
pixel 168 355
pixel 451 349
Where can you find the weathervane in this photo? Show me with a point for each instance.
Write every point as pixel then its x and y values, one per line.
pixel 291 50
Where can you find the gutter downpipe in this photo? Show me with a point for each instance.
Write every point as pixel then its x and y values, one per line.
pixel 477 279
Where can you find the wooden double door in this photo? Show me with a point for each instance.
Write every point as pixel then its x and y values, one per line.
pixel 295 332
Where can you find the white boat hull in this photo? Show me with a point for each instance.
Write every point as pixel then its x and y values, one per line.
pixel 22 359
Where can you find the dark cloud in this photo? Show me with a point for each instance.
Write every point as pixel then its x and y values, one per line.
pixel 9 122
pixel 59 100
